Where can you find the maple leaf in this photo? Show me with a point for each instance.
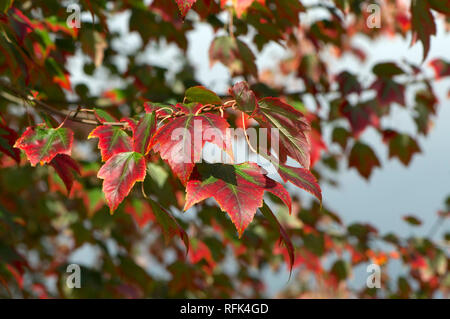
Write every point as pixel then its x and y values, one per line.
pixel 120 173
pixel 238 189
pixel 389 91
pixel 112 140
pixel 423 25
pixel 181 140
pixel 7 139
pixel 64 166
pixel 292 128
pixel 363 158
pixel 270 216
pixel 244 97
pixel 41 144
pixel 291 125
pixel 234 54
pixel 301 178
pixel 441 68
pixel 185 6
pixel 169 225
pixel 360 116
pixel 401 146
pixel 143 132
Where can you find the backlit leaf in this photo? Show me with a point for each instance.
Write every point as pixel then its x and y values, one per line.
pixel 168 224
pixel 423 25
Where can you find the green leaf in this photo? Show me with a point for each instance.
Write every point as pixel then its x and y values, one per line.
pixel 202 95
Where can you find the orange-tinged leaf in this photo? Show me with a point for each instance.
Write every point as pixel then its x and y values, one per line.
pixel 238 189
pixel 41 144
pixel 120 173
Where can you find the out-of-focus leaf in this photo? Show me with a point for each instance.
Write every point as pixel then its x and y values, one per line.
pixel 185 6
pixel 423 25
pixel 202 95
pixel 267 212
pixel 168 224
pixel 8 138
pixel 244 97
pixel 234 54
pixel 64 166
pixel 363 158
pixel 412 220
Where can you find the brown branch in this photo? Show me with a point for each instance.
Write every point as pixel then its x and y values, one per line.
pixel 80 116
pixel 84 116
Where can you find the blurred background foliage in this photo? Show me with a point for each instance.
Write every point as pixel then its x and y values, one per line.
pixel 132 254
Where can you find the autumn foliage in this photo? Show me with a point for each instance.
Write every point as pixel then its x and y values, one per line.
pixel 121 169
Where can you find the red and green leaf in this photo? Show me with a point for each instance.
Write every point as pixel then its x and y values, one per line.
pixel 41 144
pixel 301 178
pixel 363 158
pixel 181 140
pixel 120 173
pixel 401 146
pixel 169 225
pixel 441 68
pixel 238 189
pixel 423 25
pixel 292 128
pixel 143 132
pixel 234 54
pixel 112 140
pixel 185 6
pixel 65 166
